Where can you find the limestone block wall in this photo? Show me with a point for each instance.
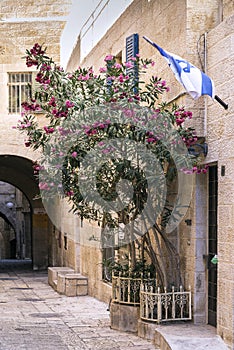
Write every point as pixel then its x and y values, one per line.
pixel 19 33
pixel 22 24
pixel 177 27
pixel 32 8
pixel 220 137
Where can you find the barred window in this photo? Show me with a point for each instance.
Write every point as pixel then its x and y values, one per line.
pixel 19 85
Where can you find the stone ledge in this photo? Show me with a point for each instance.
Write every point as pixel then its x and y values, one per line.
pixel 187 336
pixel 72 284
pixel 181 336
pixel 53 274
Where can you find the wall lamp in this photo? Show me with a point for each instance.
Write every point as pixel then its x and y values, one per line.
pixel 198 149
pixel 9 205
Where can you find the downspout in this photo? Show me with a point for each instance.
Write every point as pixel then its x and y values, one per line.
pixel 205 71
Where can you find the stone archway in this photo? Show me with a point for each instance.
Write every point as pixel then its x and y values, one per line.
pixel 18 172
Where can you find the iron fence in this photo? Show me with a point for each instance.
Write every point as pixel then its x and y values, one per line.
pixel 160 306
pixel 126 290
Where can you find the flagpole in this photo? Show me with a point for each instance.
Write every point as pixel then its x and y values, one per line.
pixel 218 99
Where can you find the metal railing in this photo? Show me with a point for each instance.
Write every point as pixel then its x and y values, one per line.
pixel 126 290
pixel 160 306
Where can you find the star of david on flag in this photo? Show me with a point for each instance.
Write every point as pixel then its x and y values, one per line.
pixel 195 82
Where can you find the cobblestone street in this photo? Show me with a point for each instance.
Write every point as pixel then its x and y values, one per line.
pixel 34 316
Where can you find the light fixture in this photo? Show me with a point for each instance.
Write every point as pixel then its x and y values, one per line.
pixel 9 205
pixel 197 149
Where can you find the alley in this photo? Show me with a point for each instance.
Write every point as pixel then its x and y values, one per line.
pixel 34 316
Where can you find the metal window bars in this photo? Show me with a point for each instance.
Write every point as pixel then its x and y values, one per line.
pixel 19 89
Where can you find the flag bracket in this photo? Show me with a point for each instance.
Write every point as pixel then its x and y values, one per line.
pixel 218 99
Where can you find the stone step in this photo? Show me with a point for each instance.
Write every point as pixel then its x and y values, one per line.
pixel 53 274
pixel 72 284
pixel 188 336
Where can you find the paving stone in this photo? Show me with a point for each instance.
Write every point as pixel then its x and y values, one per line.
pixel 34 317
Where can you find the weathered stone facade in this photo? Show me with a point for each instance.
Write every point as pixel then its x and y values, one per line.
pixel 179 27
pixel 22 24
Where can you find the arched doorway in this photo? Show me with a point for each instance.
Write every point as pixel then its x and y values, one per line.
pixel 29 222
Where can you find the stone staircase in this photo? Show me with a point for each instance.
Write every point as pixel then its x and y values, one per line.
pixel 65 280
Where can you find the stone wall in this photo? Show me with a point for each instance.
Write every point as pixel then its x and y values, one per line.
pixel 22 24
pixel 17 35
pixel 220 138
pixel 178 26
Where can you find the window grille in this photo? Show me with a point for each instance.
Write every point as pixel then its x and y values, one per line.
pixel 19 88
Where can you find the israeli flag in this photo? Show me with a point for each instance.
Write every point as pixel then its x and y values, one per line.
pixel 195 82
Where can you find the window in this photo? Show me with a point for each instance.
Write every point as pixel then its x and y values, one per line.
pixel 19 88
pixel 132 49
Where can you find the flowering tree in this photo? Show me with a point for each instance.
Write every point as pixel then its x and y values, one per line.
pixel 117 155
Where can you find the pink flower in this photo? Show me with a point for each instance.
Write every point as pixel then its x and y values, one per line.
pixel 52 102
pixel 129 65
pixel 69 104
pixel 27 143
pixel 151 140
pixel 108 58
pixel 69 193
pixel 106 150
pixel 101 126
pixel 74 154
pixel 117 65
pixel 179 121
pixel 102 70
pixel 43 186
pixel 121 78
pixel 48 130
pixel 204 171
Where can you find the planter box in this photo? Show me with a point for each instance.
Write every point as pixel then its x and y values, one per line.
pixel 124 317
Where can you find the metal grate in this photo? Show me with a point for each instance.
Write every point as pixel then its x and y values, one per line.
pixel 19 89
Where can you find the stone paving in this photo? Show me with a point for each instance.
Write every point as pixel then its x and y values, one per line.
pixel 34 317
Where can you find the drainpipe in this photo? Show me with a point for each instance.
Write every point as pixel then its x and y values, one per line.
pixel 205 69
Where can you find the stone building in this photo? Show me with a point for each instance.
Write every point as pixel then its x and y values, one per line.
pixel 22 24
pixel 201 32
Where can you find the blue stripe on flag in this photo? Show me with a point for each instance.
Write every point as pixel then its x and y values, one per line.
pixel 207 86
pixel 195 82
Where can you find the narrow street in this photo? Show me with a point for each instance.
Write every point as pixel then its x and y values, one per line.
pixel 34 316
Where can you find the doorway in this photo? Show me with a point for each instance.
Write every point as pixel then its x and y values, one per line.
pixel 212 245
pixel 15 223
